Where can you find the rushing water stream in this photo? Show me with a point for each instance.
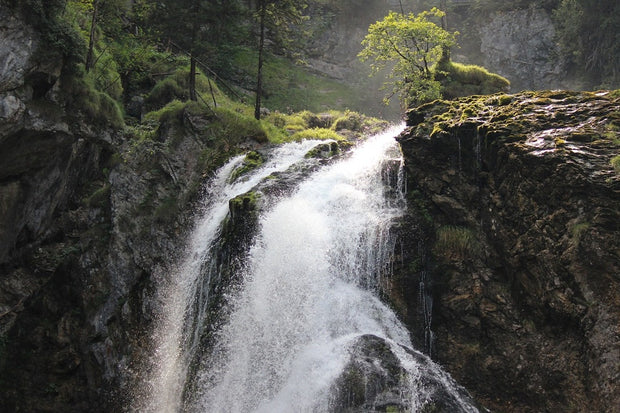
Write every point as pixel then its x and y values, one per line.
pixel 307 297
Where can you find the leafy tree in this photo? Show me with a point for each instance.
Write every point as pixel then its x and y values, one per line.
pixel 277 16
pixel 412 45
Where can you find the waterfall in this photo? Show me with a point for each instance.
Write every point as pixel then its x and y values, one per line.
pixel 305 330
pixel 185 295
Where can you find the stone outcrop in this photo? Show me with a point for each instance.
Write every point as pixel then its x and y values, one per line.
pixel 375 380
pixel 51 167
pixel 89 218
pixel 514 199
pixel 520 46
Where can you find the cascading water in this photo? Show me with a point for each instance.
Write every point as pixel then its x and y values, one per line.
pixel 306 306
pixel 185 297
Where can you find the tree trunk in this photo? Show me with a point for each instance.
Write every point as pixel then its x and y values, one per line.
pixel 261 46
pixel 192 78
pixel 90 58
pixel 445 51
pixel 193 49
pixel 444 19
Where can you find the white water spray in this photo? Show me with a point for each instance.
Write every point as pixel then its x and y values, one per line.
pixel 302 301
pixel 185 297
pixel 307 296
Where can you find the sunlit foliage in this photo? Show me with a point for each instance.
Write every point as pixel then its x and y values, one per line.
pixel 409 45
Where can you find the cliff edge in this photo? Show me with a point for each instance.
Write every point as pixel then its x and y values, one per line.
pixel 513 218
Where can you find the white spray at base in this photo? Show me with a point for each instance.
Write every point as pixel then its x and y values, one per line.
pixel 309 292
pixel 184 297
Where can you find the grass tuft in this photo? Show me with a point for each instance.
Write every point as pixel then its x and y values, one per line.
pixel 455 242
pixel 317 133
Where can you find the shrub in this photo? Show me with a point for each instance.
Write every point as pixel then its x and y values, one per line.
pixel 316 133
pixel 164 92
pixel 170 111
pixel 295 122
pixel 350 121
pixel 59 37
pixel 82 95
pixel 238 127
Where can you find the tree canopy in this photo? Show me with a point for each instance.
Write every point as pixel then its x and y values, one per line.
pixel 409 46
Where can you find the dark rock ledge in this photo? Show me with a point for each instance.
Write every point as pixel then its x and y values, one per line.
pixel 514 218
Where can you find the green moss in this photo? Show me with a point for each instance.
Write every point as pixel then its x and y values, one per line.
pixel 252 161
pixel 615 163
pixel 504 100
pixel 439 128
pixel 458 80
pixel 350 121
pixel 559 142
pixel 455 242
pixel 169 112
pixel 316 133
pixel 244 204
pixel 326 150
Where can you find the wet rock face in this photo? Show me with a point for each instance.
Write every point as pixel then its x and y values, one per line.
pixel 88 227
pixel 87 217
pixel 16 50
pixel 519 199
pixel 375 380
pixel 520 45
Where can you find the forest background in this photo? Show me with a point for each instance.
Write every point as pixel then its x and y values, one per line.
pixel 135 55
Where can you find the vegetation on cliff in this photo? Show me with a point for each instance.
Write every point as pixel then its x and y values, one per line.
pixel 418 50
pixel 585 47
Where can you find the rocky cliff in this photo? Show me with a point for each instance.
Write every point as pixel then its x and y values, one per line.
pixel 514 202
pixel 521 46
pixel 90 215
pixel 512 228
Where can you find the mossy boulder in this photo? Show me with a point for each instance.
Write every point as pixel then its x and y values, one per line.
pixel 459 80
